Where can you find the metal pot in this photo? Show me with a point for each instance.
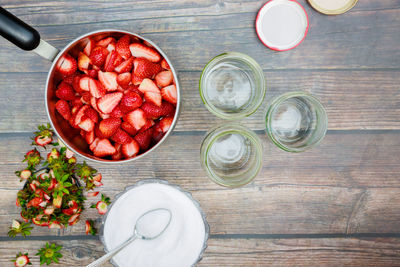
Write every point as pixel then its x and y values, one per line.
pixel 27 38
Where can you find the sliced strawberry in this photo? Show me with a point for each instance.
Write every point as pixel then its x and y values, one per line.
pixel 136 118
pixel 130 101
pixel 88 227
pixel 113 59
pixel 25 174
pixel 108 80
pixel 157 133
pixel 34 202
pixel 135 88
pixel 43 140
pixel 125 66
pixel 70 78
pixel 164 78
pixel 164 64
pixel 98 56
pixel 118 155
pixel 136 80
pixel 83 83
pixel 92 73
pixel 43 176
pixel 130 149
pixel 144 68
pixel 83 61
pixel 55 225
pixel 73 219
pixel 87 125
pixel 124 79
pixel 68 211
pixel 107 103
pixel 111 46
pixel 96 88
pixel 89 47
pixel 98 184
pixel 122 47
pixel 92 114
pixel 80 114
pixel 64 109
pixel 89 137
pixel 151 92
pixel 104 148
pixel 94 143
pixel 165 124
pixel 141 50
pixel 169 94
pixel 109 126
pixel 127 127
pixel 155 112
pixel 22 261
pixel 117 112
pixel 148 124
pixel 66 65
pixel 101 207
pixel 65 91
pixel 105 42
pixel 144 138
pixel 98 177
pixel 86 96
pixel 92 194
pixel 76 102
pixel 121 137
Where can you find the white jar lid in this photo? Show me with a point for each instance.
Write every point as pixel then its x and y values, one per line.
pixel 282 24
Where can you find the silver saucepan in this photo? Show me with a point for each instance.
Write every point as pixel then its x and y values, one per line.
pixel 27 38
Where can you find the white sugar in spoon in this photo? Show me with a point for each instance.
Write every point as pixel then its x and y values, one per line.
pixel 148 226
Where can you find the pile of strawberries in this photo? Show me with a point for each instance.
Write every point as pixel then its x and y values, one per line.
pixel 120 93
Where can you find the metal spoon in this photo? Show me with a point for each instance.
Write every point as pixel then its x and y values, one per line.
pixel 147 227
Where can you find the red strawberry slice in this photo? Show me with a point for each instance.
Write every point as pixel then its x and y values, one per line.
pixel 34 202
pixel 89 137
pixel 144 138
pixel 77 102
pixel 92 114
pixel 165 124
pixel 83 84
pixel 55 225
pixel 124 79
pixel 104 148
pixel 94 144
pixel 130 101
pixel 85 99
pixel 117 112
pixel 65 91
pixel 148 124
pixel 107 103
pixel 155 112
pixel 109 126
pixel 118 154
pixel 136 118
pixel 92 73
pixel 109 64
pixel 42 141
pixel 157 133
pixel 83 61
pixel 136 80
pixel 141 50
pixel 73 219
pixel 154 98
pixel 64 109
pixel 151 91
pixel 25 174
pixel 125 66
pixel 169 94
pixel 111 46
pixel 92 194
pixel 105 42
pixel 97 177
pixel 164 78
pixel 87 125
pixel 22 261
pixel 135 88
pixel 130 149
pixel 80 114
pixel 89 47
pixel 122 47
pixel 164 64
pixel 96 88
pixel 101 207
pixel 121 137
pixel 108 80
pixel 98 56
pixel 68 211
pixel 144 68
pixel 127 127
pixel 66 65
pixel 70 78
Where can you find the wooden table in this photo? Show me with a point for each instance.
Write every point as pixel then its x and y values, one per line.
pixel 338 204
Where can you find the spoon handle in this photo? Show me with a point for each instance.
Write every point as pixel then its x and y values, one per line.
pixel 111 253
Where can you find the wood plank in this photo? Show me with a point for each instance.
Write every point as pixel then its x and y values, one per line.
pixel 353 99
pixel 243 252
pixel 352 40
pixel 347 185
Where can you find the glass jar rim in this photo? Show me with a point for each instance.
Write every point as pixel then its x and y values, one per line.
pixel 280 99
pixel 252 108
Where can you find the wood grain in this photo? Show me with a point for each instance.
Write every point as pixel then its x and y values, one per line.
pixel 243 252
pixel 366 38
pixel 353 99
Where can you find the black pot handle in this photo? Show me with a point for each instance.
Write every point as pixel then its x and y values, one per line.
pixel 18 32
